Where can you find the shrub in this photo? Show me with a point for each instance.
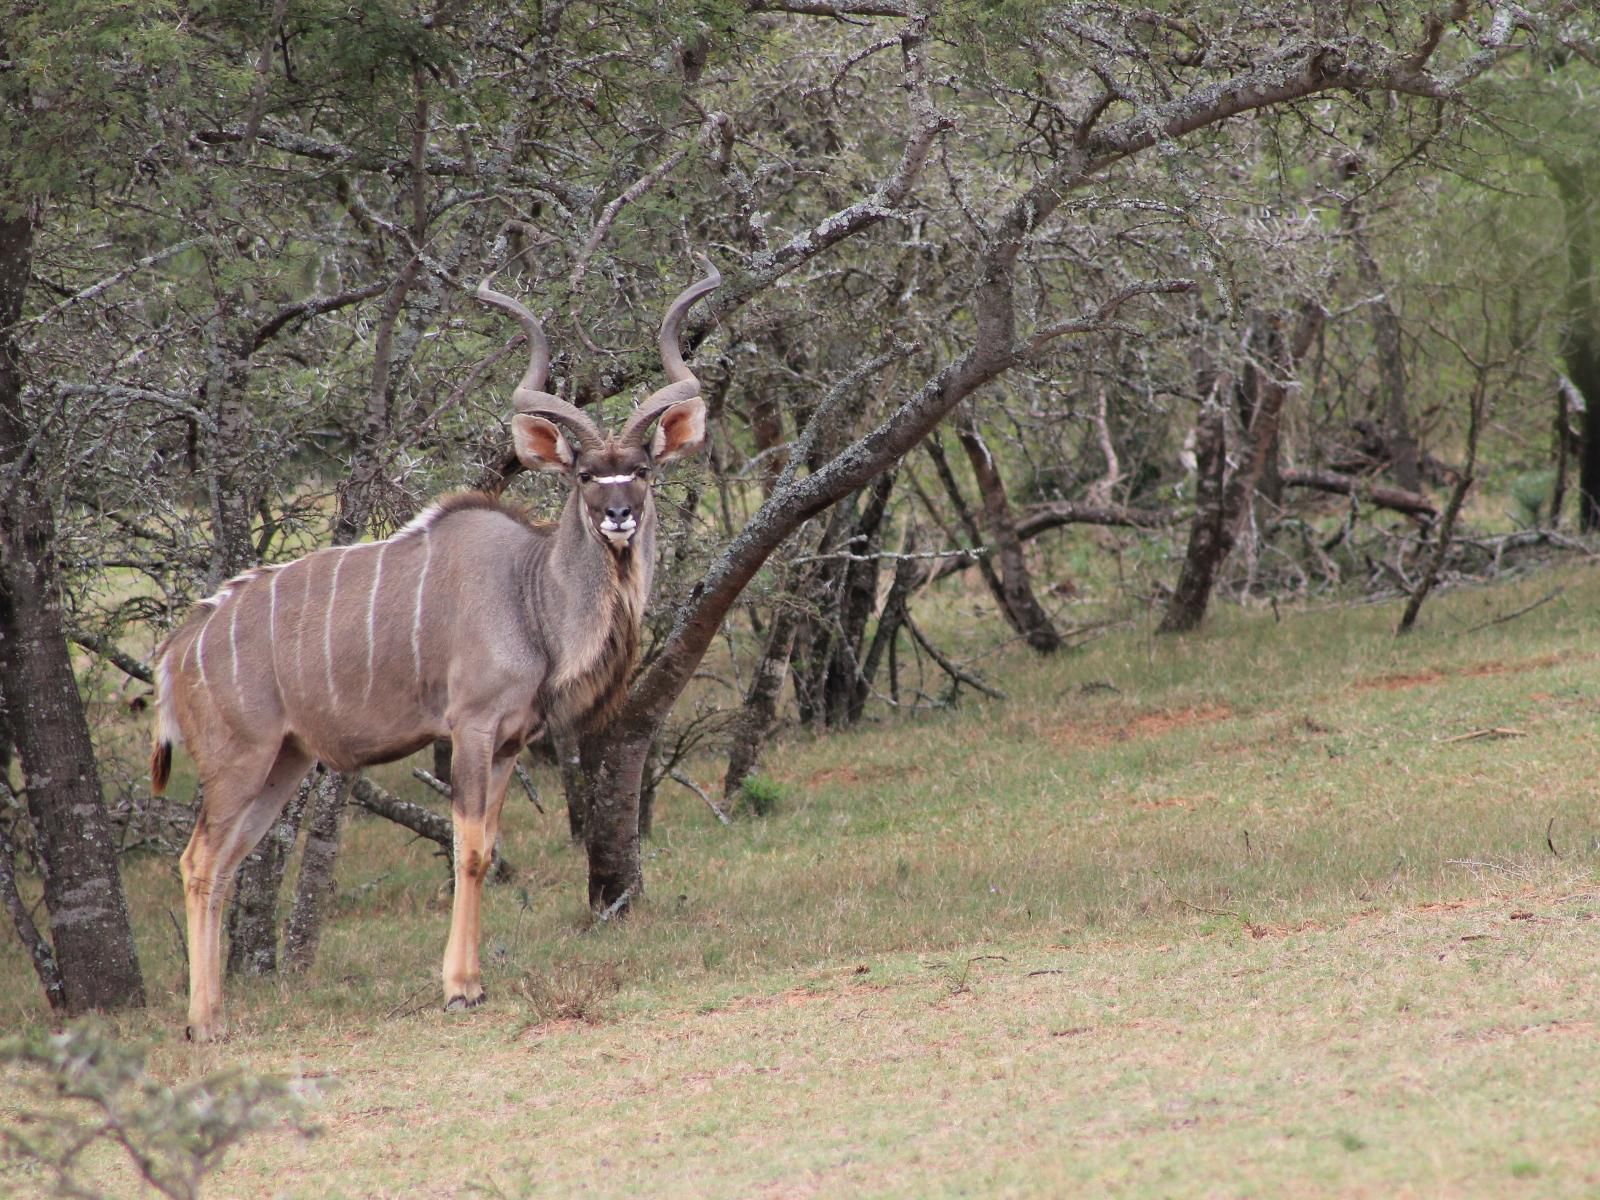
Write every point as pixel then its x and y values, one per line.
pixel 760 794
pixel 92 1089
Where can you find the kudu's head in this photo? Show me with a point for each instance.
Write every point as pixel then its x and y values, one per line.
pixel 612 473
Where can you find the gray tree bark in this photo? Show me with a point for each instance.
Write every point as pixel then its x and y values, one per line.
pixel 89 927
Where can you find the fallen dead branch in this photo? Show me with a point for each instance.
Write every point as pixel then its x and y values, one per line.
pixel 1473 735
pixel 679 777
pixel 1512 616
pixel 955 672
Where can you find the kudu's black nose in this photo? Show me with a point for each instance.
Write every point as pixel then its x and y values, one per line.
pixel 618 514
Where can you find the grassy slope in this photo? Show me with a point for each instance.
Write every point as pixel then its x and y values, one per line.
pixel 1249 924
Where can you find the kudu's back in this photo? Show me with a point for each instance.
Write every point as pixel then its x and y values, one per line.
pixel 365 653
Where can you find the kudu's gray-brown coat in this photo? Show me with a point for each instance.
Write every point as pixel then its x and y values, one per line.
pixel 471 623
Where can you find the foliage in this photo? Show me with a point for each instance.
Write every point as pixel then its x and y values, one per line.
pixel 761 794
pixel 93 1092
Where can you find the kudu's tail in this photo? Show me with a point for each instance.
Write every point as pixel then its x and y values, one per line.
pixel 166 735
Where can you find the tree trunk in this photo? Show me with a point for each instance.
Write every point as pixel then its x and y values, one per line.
pixel 1447 523
pixel 813 646
pixel 1207 548
pixel 908 575
pixel 576 759
pixel 760 712
pixel 253 916
pixel 1404 459
pixel 40 954
pixel 1580 334
pixel 314 893
pixel 611 827
pixel 89 927
pixel 856 598
pixel 986 568
pixel 1023 610
pixel 1222 504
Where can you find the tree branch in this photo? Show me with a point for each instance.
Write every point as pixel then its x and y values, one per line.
pixel 108 650
pixel 314 307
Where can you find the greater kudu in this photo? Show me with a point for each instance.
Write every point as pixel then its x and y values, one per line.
pixel 470 623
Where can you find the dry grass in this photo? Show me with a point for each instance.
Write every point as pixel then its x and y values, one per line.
pixel 1256 920
pixel 569 991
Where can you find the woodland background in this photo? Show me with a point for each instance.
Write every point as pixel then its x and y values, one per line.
pixel 1171 303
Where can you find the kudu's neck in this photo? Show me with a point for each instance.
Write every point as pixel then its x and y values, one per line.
pixel 580 569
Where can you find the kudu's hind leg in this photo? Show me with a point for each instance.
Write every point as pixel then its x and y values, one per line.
pixel 241 801
pixel 478 778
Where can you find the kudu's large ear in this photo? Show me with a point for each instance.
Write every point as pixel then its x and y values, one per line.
pixel 540 444
pixel 680 431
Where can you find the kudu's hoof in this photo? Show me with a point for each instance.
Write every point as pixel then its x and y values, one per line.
pixel 461 1003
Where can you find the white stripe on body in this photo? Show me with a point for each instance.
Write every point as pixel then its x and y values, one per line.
pixel 233 644
pixel 416 617
pixel 372 614
pixel 300 636
pixel 327 630
pixel 272 626
pixel 200 655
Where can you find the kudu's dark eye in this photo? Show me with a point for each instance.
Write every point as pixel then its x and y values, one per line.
pixel 641 472
pixel 584 476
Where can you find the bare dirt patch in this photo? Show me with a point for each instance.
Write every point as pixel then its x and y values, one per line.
pixel 1108 731
pixel 1428 677
pixel 849 776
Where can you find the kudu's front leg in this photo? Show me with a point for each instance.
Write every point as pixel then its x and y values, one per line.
pixel 478 781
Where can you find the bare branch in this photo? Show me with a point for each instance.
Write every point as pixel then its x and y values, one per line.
pixel 108 650
pixel 832 8
pixel 1411 503
pixel 314 307
pixel 679 777
pixel 111 281
pixel 1104 313
pixel 608 215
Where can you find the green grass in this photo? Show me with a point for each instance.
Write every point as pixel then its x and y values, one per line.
pixel 1273 914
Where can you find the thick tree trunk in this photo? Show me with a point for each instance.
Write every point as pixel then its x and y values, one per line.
pixel 611 828
pixel 574 781
pixel 89 927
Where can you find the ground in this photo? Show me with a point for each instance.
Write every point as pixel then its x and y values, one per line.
pixel 1286 908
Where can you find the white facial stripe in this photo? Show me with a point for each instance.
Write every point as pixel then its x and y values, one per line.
pixel 612 479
